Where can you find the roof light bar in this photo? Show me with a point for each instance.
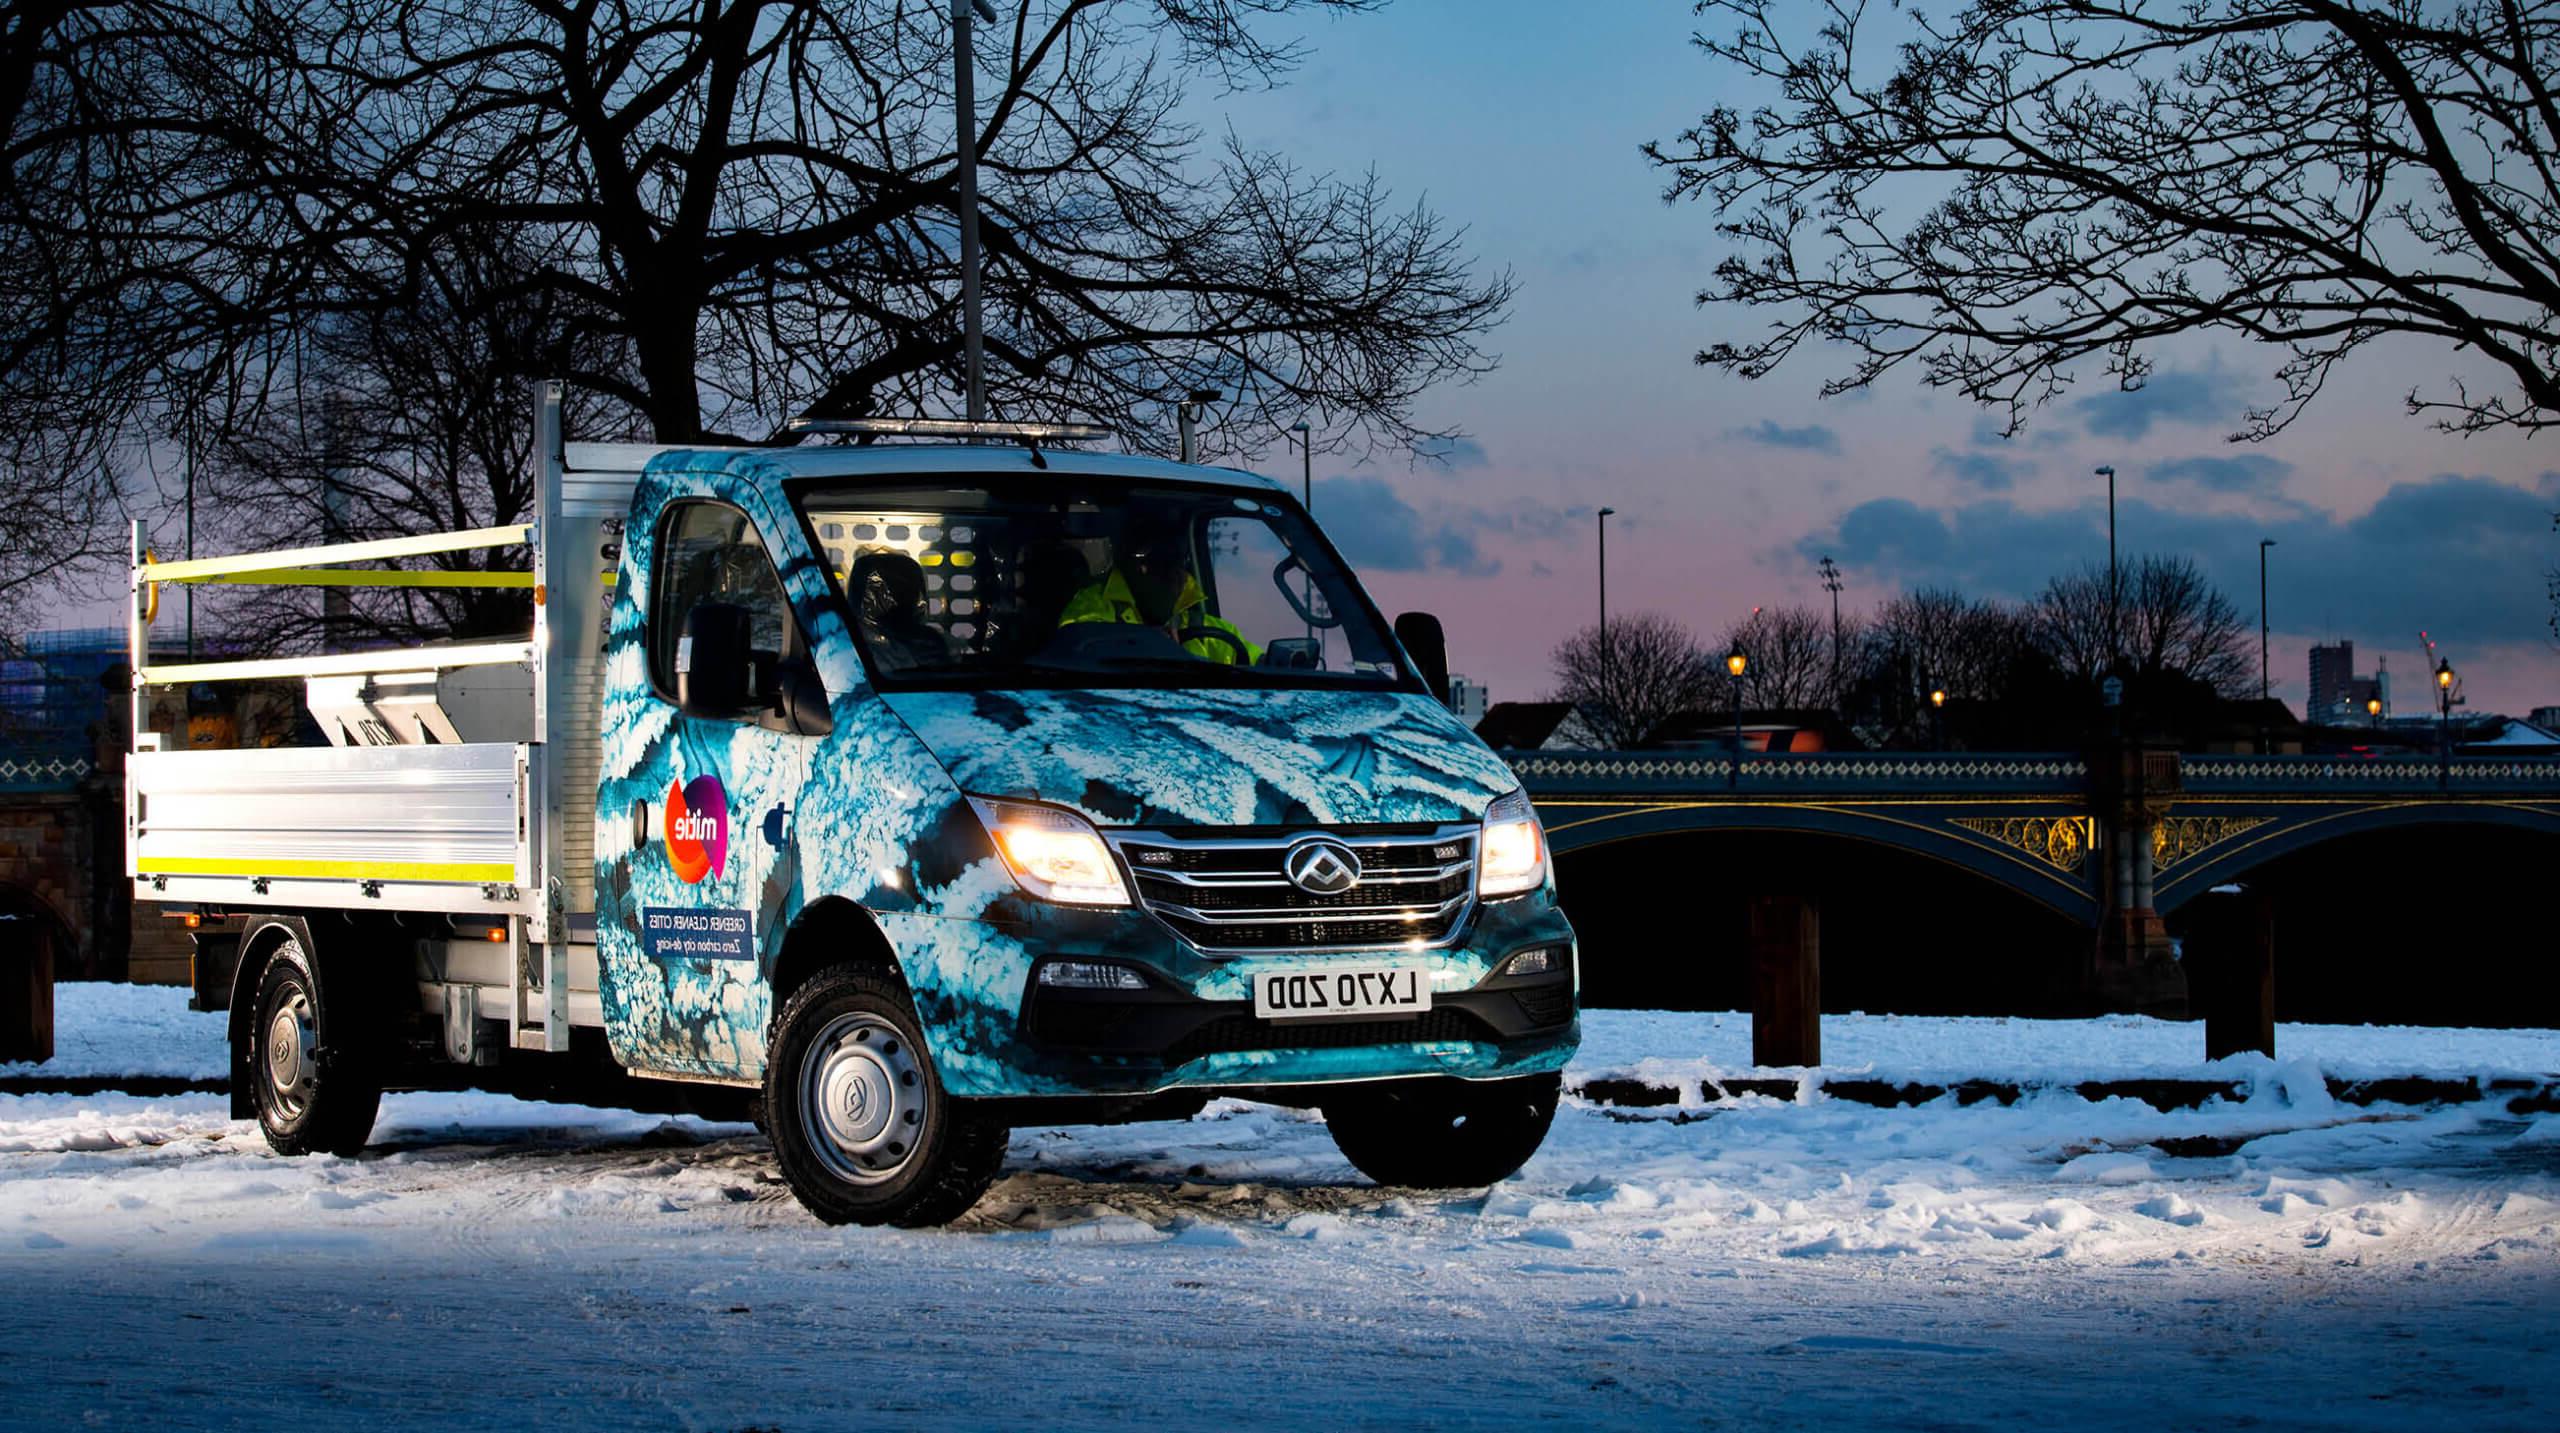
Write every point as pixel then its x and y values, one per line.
pixel 953 428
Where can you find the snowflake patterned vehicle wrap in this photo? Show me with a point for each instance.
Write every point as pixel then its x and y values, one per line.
pixel 875 816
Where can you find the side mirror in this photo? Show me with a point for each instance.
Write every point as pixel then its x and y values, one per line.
pixel 715 663
pixel 1424 642
pixel 1293 654
pixel 800 700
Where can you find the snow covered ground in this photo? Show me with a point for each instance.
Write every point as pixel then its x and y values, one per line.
pixel 2283 1261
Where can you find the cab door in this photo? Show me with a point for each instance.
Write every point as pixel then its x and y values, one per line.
pixel 703 883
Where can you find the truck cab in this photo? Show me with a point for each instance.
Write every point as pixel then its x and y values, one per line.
pixel 933 790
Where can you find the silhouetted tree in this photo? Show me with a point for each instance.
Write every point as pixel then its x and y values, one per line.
pixel 2168 620
pixel 1790 663
pixel 1645 669
pixel 2100 175
pixel 1930 638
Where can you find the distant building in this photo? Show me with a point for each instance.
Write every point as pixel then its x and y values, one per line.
pixel 2340 697
pixel 2332 667
pixel 1468 699
pixel 2547 718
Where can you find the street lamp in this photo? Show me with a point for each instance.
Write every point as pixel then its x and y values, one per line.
pixel 2444 722
pixel 2114 613
pixel 2263 544
pixel 2373 710
pixel 964 102
pixel 1735 662
pixel 1307 499
pixel 1937 717
pixel 1601 522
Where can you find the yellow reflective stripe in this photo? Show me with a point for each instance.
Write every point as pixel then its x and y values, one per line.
pixel 342 664
pixel 353 577
pixel 329 870
pixel 204 567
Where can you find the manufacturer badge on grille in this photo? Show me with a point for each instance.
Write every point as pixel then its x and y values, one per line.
pixel 1322 868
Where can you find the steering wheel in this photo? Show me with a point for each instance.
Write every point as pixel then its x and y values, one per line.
pixel 1187 634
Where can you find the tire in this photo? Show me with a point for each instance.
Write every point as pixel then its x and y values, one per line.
pixel 1444 1134
pixel 859 1121
pixel 312 1096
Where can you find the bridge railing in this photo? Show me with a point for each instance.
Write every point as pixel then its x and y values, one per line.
pixel 2413 775
pixel 1673 774
pixel 1677 773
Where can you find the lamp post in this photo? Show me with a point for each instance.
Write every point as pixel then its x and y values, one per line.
pixel 2444 722
pixel 2373 711
pixel 1601 523
pixel 1735 662
pixel 1937 718
pixel 2115 620
pixel 2263 544
pixel 1307 500
pixel 964 101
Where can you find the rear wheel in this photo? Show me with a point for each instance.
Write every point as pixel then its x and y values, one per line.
pixel 1444 1134
pixel 859 1120
pixel 310 1099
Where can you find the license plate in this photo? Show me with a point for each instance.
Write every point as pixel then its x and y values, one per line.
pixel 1315 994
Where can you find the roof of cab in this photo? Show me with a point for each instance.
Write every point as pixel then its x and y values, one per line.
pixel 884 460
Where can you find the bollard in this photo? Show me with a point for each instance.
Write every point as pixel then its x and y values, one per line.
pixel 1786 981
pixel 26 999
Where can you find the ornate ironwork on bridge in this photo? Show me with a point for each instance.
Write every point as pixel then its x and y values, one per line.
pixel 2135 835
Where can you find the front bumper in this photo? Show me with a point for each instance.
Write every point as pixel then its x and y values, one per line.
pixel 1187 1029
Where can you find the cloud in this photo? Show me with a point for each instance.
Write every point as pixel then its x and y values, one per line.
pixel 2169 395
pixel 2224 475
pixel 1377 529
pixel 2460 555
pixel 1987 471
pixel 1451 454
pixel 1812 438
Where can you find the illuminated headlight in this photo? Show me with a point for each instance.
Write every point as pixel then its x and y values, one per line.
pixel 1545 960
pixel 1055 855
pixel 1512 856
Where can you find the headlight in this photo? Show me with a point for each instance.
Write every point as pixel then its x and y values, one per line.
pixel 1055 855
pixel 1511 856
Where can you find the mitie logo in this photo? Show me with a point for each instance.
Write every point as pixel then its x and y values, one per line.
pixel 697 828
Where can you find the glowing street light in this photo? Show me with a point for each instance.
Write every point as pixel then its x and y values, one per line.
pixel 1735 662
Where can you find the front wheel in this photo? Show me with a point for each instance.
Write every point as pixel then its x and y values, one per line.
pixel 1444 1134
pixel 860 1123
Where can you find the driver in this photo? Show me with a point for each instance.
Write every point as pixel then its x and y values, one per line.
pixel 1150 584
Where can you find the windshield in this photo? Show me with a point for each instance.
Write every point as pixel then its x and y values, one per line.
pixel 1091 582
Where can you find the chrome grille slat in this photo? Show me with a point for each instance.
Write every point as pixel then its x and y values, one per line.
pixel 1200 887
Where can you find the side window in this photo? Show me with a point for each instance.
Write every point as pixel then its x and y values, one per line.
pixel 709 552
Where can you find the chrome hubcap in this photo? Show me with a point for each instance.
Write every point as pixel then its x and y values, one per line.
pixel 863 1092
pixel 289 1043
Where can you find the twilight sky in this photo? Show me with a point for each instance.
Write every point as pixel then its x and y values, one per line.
pixel 1520 119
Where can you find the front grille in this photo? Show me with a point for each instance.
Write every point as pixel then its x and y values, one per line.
pixel 1232 1033
pixel 1232 892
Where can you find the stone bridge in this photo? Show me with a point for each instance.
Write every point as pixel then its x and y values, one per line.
pixel 2113 839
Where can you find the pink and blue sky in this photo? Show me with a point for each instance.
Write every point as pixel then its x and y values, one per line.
pixel 1520 120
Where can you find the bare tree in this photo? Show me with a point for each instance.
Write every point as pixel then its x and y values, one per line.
pixel 746 210
pixel 1645 669
pixel 66 286
pixel 400 418
pixel 1789 658
pixel 2166 620
pixel 2104 174
pixel 1931 639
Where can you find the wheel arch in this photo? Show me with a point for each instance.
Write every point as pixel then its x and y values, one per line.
pixel 829 932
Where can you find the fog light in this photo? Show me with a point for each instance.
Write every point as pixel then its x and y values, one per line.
pixel 1090 975
pixel 1542 961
